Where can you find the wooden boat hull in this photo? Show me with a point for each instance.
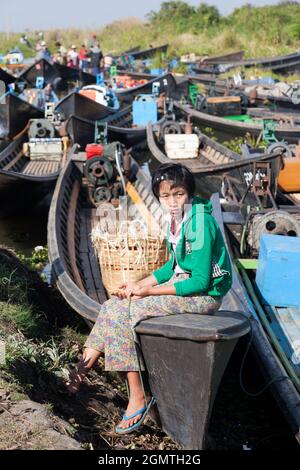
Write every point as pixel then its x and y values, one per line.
pixel 270 62
pixel 278 104
pixel 74 74
pixel 82 131
pixel 24 182
pixel 20 189
pixel 167 85
pixel 222 87
pixel 6 78
pixel 42 68
pixel 212 338
pixel 181 396
pixel 217 167
pixel 137 55
pixel 284 391
pixel 15 114
pixel 281 64
pixel 75 104
pixel 224 59
pixel 228 129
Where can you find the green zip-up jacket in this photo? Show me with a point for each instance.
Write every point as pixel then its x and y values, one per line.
pixel 201 252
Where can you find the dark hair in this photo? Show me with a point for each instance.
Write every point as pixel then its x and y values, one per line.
pixel 179 174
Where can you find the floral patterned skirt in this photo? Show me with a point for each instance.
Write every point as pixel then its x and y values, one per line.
pixel 113 332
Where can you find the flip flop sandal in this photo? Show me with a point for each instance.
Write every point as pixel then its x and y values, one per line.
pixel 134 426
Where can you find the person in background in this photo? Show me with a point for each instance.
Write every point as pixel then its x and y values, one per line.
pixel 59 59
pixel 40 40
pixel 43 52
pixel 25 41
pixel 73 57
pixel 108 61
pixel 83 58
pixel 113 101
pixel 96 59
pixel 93 41
pixel 61 53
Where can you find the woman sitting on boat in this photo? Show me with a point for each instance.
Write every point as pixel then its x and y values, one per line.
pixel 194 280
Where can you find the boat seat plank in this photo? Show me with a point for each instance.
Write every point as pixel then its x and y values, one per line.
pixel 40 168
pixel 223 99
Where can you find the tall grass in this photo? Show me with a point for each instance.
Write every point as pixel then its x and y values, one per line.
pixel 259 31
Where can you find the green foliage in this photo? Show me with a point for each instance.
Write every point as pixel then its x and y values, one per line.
pixel 24 318
pixel 235 143
pixel 52 355
pixel 184 17
pixel 37 259
pixel 259 31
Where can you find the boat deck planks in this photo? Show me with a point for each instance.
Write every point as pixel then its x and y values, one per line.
pixel 88 259
pixel 40 168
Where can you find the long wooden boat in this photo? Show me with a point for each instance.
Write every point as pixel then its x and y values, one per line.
pixel 73 74
pixel 119 125
pixel 228 128
pixel 289 60
pixel 266 98
pixel 78 277
pixel 177 92
pixel 15 114
pixel 6 78
pixel 146 53
pixel 224 59
pixel 127 51
pixel 77 104
pixel 137 54
pixel 41 68
pixel 276 103
pixel 217 168
pixel 280 64
pixel 167 85
pixel 25 182
pixel 265 113
pixel 275 331
pixel 220 59
pixel 16 166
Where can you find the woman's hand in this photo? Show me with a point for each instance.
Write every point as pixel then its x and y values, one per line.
pixel 125 290
pixel 139 292
pixel 128 287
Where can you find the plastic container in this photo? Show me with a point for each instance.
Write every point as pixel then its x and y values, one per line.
pixel 93 150
pixel 278 271
pixel 144 110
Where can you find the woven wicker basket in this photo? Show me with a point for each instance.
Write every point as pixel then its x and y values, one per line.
pixel 127 257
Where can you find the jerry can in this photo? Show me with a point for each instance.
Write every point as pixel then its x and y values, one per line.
pixel 144 110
